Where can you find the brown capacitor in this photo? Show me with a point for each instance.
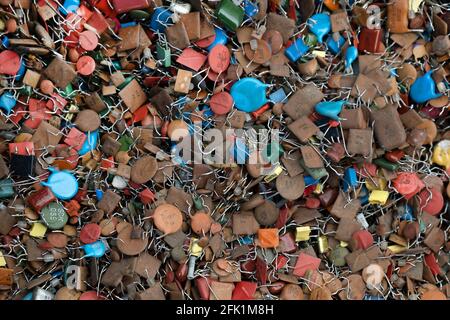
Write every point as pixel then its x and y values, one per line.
pixel 389 131
pixel 397 16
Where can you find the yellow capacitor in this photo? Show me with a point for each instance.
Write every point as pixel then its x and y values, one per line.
pixel 397 249
pixel 414 5
pixel 319 188
pixel 343 244
pixel 318 53
pixel 323 244
pixel 2 260
pixel 302 233
pixel 441 154
pixel 194 248
pixel 381 184
pixel 275 173
pixel 38 230
pixel 378 197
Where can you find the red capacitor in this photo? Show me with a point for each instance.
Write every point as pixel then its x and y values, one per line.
pixel 121 6
pixel 312 203
pixel 304 263
pixel 281 261
pixel 41 198
pixel 262 270
pixel 431 262
pixel 363 239
pixel 408 184
pixel 394 155
pixel 248 266
pixel 370 40
pixel 244 290
pixel 287 243
pixel 147 196
pixel 431 201
pixel 202 284
pixel 90 233
pixel 282 217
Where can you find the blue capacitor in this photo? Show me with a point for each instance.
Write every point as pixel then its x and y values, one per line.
pixel 335 46
pixel 296 50
pixel 5 42
pixel 250 8
pixel 278 96
pixel 363 195
pixel 221 38
pixel 28 296
pixel 160 18
pixel 94 250
pixel 246 240
pixel 69 6
pixel 320 25
pixel 128 24
pixel 19 75
pixel 350 56
pixel 249 94
pixel 90 143
pixel 63 184
pixel 424 89
pixel 99 194
pixel 7 102
pixel 330 109
pixel 406 212
pixel 310 181
pixel 350 179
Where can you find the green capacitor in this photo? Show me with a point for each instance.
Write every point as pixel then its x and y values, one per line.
pixel 98 56
pixel 337 256
pixel 54 216
pixel 230 14
pixel 310 40
pixel 6 188
pixel 198 203
pixel 316 173
pixel 68 91
pixel 139 15
pixel 125 143
pixel 386 164
pixel 163 54
pixel 26 90
pixel 124 84
pixel 116 64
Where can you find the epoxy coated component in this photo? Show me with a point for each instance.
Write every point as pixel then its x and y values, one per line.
pixel 330 109
pixel 424 89
pixel 320 25
pixel 249 94
pixel 63 184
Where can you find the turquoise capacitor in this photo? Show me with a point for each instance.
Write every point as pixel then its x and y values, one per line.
pixel 330 109
pixel 95 250
pixel 424 89
pixel 320 25
pixel 350 56
pixel 63 184
pixel 335 46
pixel 7 102
pixel 90 143
pixel 249 94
